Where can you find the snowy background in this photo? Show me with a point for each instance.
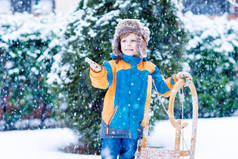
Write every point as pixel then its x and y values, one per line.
pixel 216 139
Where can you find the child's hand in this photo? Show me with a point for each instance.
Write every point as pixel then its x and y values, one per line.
pixel 185 75
pixel 93 65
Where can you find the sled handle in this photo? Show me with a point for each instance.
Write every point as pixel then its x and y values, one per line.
pixel 176 124
pixel 176 88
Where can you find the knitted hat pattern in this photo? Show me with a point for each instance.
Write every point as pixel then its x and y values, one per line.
pixel 130 26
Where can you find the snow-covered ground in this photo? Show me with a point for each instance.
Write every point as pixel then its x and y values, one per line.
pixel 37 144
pixel 217 139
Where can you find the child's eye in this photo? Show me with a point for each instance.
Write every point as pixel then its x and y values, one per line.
pixel 133 40
pixel 123 41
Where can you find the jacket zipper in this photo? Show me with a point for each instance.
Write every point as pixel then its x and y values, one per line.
pixel 129 105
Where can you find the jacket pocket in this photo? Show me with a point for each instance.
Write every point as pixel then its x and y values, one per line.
pixel 113 114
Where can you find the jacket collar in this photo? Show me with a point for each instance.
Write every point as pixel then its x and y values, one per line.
pixel 129 59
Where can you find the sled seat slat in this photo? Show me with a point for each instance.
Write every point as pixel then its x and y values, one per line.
pixel 155 153
pixel 184 153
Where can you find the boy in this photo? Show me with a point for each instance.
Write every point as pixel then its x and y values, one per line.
pixel 126 78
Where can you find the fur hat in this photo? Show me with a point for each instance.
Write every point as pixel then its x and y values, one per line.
pixel 130 26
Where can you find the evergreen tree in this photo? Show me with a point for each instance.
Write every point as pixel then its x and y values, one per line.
pixel 90 36
pixel 216 80
pixel 25 93
pixel 212 56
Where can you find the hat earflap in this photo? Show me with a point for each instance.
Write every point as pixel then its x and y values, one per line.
pixel 141 46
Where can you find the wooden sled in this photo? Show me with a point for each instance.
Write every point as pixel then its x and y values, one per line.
pixel 145 152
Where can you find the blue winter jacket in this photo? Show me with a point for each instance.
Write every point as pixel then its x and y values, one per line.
pixel 127 96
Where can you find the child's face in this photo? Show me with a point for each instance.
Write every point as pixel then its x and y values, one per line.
pixel 129 45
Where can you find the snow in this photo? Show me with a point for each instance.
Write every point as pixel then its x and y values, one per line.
pixel 27 24
pixel 216 139
pixel 216 27
pixel 37 144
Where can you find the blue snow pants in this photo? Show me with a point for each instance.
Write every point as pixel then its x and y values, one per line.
pixel 112 147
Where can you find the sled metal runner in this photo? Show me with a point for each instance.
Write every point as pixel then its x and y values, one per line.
pixel 146 152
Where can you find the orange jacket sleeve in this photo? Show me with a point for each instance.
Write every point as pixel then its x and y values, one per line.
pixel 99 80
